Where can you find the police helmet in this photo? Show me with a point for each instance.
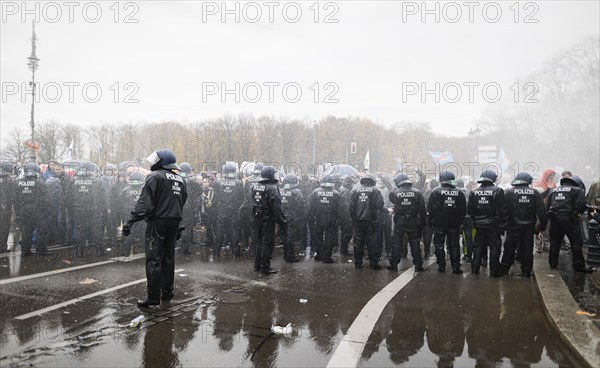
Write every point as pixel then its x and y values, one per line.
pixel 328 181
pixel 522 178
pixel 368 180
pixel 258 168
pixel 6 168
pixel 31 169
pixel 229 170
pixel 448 177
pixel 88 169
pixel 162 158
pixel 489 176
pixel 290 181
pixel 136 178
pixel 186 168
pixel 401 178
pixel 268 173
pixel 573 180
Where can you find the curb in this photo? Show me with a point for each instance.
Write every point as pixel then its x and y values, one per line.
pixel 577 331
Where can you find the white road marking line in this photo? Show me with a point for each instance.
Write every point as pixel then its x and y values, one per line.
pixel 350 349
pixel 68 269
pixel 81 298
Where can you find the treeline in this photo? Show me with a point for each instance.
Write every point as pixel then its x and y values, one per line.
pixel 244 138
pixel 563 128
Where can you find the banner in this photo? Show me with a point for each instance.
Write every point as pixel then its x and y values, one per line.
pixel 367 161
pixel 441 157
pixel 503 160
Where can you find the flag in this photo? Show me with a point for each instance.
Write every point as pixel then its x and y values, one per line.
pixel 503 160
pixel 69 153
pixel 441 157
pixel 367 161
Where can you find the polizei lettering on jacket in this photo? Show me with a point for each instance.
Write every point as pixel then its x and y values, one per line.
pixel 528 191
pixel 84 182
pixel 405 194
pixel 484 192
pixel 453 193
pixel 174 177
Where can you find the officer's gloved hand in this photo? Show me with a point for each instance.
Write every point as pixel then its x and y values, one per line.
pixel 127 228
pixel 179 231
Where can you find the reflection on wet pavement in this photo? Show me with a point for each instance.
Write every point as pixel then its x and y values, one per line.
pixel 223 312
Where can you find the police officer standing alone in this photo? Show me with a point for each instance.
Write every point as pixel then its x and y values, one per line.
pixel 161 205
pixel 409 219
pixel 447 208
pixel 487 209
pixel 267 212
pixel 565 204
pixel 524 205
pixel 365 204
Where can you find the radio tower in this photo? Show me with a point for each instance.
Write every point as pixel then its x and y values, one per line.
pixel 33 65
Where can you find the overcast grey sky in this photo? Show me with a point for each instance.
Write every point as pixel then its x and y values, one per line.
pixel 358 55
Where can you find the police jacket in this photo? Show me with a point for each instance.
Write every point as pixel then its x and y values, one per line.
pixel 85 194
pixel 566 201
pixel 447 206
pixel 228 197
pixel 325 206
pixel 487 206
pixel 194 199
pixel 524 205
pixel 7 194
pixel 31 198
pixel 293 204
pixel 365 203
pixel 129 197
pixel 163 196
pixel 266 202
pixel 409 207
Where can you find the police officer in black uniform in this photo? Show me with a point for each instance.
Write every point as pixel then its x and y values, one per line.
pixel 324 210
pixel 161 205
pixel 248 229
pixel 447 208
pixel 129 197
pixel 268 212
pixel 565 205
pixel 346 222
pixel 487 210
pixel 87 203
pixel 365 204
pixel 409 218
pixel 293 204
pixel 192 207
pixel 524 207
pixel 7 196
pixel 31 203
pixel 228 199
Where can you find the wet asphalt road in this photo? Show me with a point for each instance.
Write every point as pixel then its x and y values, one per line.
pixel 223 312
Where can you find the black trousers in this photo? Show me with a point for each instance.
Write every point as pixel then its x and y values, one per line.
pixel 346 227
pixel 365 233
pixel 160 257
pixel 266 243
pixel 4 229
pixel 519 238
pixel 414 235
pixel 87 227
pixel 324 238
pixel 487 237
pixel 227 228
pixel 292 236
pixel 427 238
pixel 571 227
pixel 452 236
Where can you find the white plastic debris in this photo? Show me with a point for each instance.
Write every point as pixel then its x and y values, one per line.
pixel 282 330
pixel 303 301
pixel 137 320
